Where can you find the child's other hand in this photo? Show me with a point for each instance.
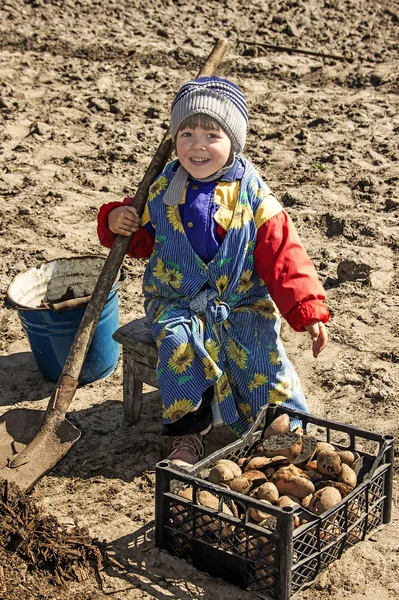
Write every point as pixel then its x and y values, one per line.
pixel 318 333
pixel 124 220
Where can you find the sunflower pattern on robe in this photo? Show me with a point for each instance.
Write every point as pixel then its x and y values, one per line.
pixel 215 324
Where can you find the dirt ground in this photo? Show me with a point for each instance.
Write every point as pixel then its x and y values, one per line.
pixel 85 90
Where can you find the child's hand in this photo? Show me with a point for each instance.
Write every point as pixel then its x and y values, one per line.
pixel 124 220
pixel 318 333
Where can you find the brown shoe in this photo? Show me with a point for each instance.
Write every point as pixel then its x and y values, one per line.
pixel 186 450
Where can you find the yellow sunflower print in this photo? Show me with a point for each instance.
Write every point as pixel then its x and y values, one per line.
pixel 212 348
pixel 245 282
pixel 222 283
pixel 173 277
pixel 150 289
pixel 281 392
pixel 274 357
pixel 157 187
pixel 182 358
pixel 257 380
pixel 245 408
pixel 265 308
pixel 161 337
pixel 237 353
pixel 173 215
pixel 211 368
pixel 159 270
pixel 178 409
pixel 223 388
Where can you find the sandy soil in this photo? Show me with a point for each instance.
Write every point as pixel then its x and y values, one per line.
pixel 85 90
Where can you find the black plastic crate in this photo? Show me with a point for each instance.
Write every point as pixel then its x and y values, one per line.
pixel 280 561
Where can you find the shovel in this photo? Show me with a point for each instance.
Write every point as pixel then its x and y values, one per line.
pixel 33 441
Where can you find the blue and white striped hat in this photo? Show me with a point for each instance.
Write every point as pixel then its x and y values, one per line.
pixel 218 98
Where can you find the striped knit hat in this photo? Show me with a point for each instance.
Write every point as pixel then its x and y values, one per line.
pixel 218 98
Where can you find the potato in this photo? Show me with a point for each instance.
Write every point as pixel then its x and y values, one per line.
pixel 221 474
pixel 267 491
pixel 347 457
pixel 234 467
pixel 328 463
pixel 290 470
pixel 288 501
pixel 180 514
pixel 209 500
pixel 278 426
pixel 255 477
pixel 295 486
pixel 207 523
pixel 257 514
pixel 306 500
pixel 258 547
pixel 241 484
pixel 324 446
pixel 269 523
pixel 257 462
pixel 323 500
pixel 187 493
pixel 348 476
pixel 291 481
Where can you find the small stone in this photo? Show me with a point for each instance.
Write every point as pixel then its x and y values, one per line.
pixel 349 270
pixel 99 104
pixel 40 128
pixel 291 29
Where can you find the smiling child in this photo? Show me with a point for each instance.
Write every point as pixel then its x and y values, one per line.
pixel 224 262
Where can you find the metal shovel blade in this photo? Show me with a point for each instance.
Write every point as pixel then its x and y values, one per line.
pixel 18 427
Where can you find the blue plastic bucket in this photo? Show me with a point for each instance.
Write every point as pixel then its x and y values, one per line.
pixel 51 333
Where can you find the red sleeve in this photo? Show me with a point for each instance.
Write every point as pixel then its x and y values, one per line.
pixel 282 262
pixel 142 243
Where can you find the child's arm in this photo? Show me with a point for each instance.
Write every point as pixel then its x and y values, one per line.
pixel 120 218
pixel 282 262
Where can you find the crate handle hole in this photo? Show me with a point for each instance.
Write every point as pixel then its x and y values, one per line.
pixel 288 509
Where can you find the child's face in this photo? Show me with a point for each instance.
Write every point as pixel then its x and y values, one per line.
pixel 202 152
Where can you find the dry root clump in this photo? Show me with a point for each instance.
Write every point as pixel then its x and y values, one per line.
pixel 43 543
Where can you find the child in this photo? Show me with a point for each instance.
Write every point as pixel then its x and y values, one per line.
pixel 223 256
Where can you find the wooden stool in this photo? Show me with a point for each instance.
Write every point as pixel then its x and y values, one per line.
pixel 140 357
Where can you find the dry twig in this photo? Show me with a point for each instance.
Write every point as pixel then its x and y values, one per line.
pixel 296 50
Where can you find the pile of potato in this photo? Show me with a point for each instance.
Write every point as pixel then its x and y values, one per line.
pixel 286 469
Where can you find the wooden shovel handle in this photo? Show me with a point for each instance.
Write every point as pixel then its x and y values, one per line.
pixel 165 148
pixel 59 401
pixel 46 440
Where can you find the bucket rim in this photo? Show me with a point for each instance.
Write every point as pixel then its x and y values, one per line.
pixel 13 304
